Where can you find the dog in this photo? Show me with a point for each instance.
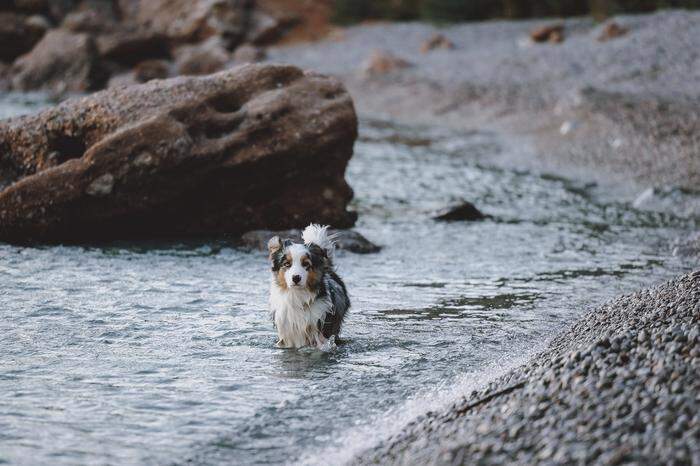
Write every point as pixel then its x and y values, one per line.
pixel 308 300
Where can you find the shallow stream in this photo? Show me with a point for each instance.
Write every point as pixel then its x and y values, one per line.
pixel 164 353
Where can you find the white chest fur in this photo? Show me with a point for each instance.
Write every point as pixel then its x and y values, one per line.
pixel 297 313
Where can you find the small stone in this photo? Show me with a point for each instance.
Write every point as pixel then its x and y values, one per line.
pixel 466 211
pixel 549 33
pixel 382 62
pixel 437 41
pixel 612 30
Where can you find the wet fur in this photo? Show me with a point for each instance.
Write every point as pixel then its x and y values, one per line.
pixel 313 311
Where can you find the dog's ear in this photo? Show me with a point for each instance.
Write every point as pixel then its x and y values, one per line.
pixel 274 245
pixel 318 254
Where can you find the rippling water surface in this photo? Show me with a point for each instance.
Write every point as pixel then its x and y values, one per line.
pixel 164 353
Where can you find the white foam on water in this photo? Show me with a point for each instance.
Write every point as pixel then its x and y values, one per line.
pixel 378 429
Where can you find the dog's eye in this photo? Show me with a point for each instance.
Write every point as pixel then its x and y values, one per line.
pixel 307 265
pixel 286 264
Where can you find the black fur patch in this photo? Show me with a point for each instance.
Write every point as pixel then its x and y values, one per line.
pixel 317 255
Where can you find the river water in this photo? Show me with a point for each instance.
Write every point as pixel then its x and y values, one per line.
pixel 163 353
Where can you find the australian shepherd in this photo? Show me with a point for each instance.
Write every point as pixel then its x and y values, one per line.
pixel 308 299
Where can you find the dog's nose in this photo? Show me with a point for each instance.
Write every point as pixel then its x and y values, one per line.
pixel 296 278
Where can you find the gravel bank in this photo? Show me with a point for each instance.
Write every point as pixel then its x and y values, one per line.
pixel 625 110
pixel 621 385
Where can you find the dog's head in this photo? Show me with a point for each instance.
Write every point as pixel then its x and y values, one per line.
pixel 297 266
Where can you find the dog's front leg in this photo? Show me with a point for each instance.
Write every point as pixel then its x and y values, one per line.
pixel 281 344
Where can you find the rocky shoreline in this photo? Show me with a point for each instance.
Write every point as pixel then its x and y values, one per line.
pixel 619 386
pixel 77 46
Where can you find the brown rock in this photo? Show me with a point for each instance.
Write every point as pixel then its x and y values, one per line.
pixel 151 69
pixel 556 37
pixel 208 57
pixel 184 21
pixel 382 62
pixel 123 79
pixel 129 46
pixel 549 33
pixel 612 30
pixel 90 20
pixel 266 28
pixel 437 41
pixel 254 147
pixel 247 53
pixel 296 20
pixel 18 34
pixel 61 62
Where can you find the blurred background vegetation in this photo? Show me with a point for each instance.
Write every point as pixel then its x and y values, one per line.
pixel 352 11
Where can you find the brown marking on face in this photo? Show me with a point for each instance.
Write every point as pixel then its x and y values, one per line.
pixel 279 276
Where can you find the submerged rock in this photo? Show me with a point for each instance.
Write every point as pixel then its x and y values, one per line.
pixel 348 240
pixel 254 147
pixel 466 211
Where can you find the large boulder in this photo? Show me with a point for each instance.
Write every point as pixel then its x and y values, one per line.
pixel 50 66
pixel 259 146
